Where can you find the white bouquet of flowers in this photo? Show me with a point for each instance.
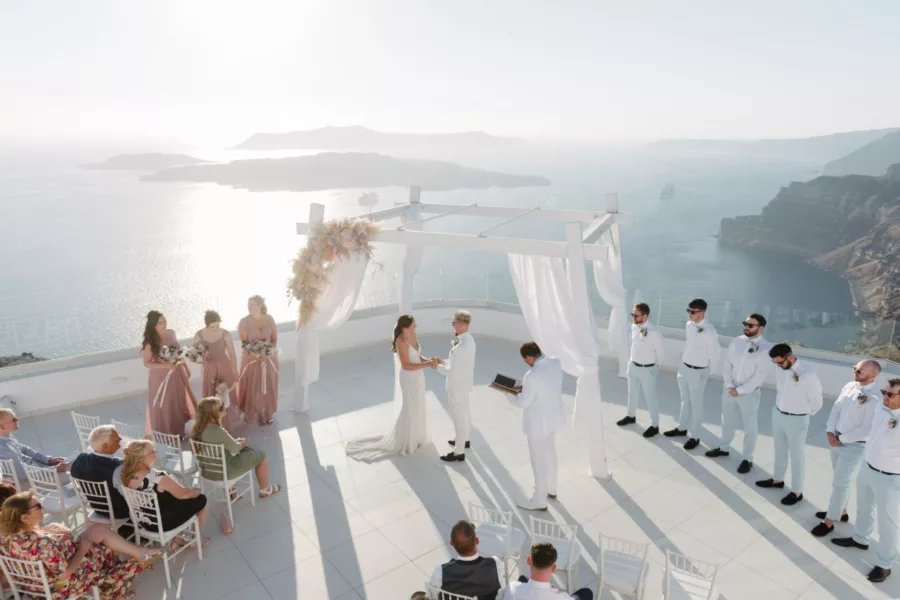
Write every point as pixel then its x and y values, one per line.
pixel 174 355
pixel 196 353
pixel 260 348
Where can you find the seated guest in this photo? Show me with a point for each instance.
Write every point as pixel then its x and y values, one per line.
pixel 469 574
pixel 6 490
pixel 20 453
pixel 100 465
pixel 542 562
pixel 73 567
pixel 177 504
pixel 239 458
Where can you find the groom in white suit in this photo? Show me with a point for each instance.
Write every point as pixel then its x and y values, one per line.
pixel 543 413
pixel 460 371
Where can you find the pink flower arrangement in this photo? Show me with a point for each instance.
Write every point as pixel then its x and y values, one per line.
pixel 332 239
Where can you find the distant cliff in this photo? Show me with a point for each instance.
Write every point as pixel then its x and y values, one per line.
pixel 343 170
pixel 362 139
pixel 19 359
pixel 847 224
pixel 872 159
pixel 144 162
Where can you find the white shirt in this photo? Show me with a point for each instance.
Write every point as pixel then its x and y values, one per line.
pixel 798 390
pixel 746 364
pixel 646 344
pixel 883 445
pixel 543 411
pixel 852 419
pixel 437 578
pixel 701 346
pixel 460 367
pixel 533 590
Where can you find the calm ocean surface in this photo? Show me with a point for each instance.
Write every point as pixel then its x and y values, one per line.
pixel 87 253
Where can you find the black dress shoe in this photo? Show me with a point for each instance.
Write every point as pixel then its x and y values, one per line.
pixel 821 530
pixel 651 431
pixel 877 575
pixel 745 467
pixel 769 483
pixel 822 514
pixel 849 543
pixel 553 496
pixel 691 444
pixel 791 499
pixel 453 443
pixel 676 433
pixel 451 457
pixel 716 453
pixel 626 421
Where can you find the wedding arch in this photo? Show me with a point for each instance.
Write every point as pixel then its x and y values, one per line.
pixel 549 279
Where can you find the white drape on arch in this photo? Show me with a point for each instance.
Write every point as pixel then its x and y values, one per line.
pixel 608 278
pixel 334 307
pixel 563 326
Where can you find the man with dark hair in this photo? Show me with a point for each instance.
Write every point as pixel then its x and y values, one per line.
pixel 647 354
pixel 878 487
pixel 847 429
pixel 700 355
pixel 798 396
pixel 744 370
pixel 542 562
pixel 469 574
pixel 543 413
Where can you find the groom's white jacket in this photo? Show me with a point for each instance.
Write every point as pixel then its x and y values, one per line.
pixel 541 402
pixel 460 367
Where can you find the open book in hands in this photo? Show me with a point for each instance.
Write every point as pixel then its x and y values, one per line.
pixel 507 385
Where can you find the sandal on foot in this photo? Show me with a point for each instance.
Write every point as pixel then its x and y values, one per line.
pixel 205 542
pixel 233 493
pixel 227 527
pixel 272 488
pixel 177 542
pixel 270 421
pixel 148 558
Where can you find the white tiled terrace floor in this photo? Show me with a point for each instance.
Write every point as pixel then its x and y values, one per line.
pixel 344 530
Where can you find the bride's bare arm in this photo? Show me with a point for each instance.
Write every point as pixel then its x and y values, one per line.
pixel 405 364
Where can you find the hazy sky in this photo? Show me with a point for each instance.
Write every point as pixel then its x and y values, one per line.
pixel 220 70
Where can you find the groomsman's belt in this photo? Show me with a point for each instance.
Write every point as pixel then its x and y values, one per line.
pixel 792 414
pixel 693 367
pixel 880 471
pixel 640 365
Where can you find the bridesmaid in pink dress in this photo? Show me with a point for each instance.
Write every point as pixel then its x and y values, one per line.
pixel 170 401
pixel 258 387
pixel 219 365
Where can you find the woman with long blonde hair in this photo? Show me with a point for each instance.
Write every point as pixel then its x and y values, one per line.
pixel 177 504
pixel 258 385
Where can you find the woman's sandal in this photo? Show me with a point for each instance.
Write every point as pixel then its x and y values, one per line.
pixel 270 421
pixel 272 488
pixel 148 558
pixel 227 527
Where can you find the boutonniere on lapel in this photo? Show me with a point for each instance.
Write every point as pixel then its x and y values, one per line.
pixel 796 377
pixel 862 399
pixel 892 423
pixel 700 329
pixel 454 343
pixel 753 348
pixel 643 332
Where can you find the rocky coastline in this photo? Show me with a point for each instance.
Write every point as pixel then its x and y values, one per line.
pixel 16 360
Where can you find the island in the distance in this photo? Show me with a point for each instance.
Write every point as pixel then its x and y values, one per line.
pixel 144 162
pixel 343 170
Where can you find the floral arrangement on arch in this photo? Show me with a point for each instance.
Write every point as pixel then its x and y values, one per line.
pixel 327 241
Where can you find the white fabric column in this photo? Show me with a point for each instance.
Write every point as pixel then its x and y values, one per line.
pixel 608 278
pixel 335 306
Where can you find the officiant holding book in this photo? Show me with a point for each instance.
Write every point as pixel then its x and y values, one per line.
pixel 459 369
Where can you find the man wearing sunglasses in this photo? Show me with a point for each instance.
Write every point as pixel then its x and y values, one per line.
pixel 646 355
pixel 878 487
pixel 848 427
pixel 798 396
pixel 700 355
pixel 744 370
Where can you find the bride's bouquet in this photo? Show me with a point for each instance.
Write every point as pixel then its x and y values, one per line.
pixel 196 352
pixel 174 355
pixel 260 348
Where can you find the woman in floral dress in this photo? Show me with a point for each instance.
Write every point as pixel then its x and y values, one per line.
pixel 170 401
pixel 73 567
pixel 219 366
pixel 258 387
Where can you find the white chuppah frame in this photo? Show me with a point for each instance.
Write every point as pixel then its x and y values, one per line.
pixel 577 248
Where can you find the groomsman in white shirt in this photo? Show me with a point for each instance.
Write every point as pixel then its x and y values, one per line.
pixel 798 396
pixel 746 366
pixel 701 353
pixel 647 354
pixel 848 427
pixel 878 487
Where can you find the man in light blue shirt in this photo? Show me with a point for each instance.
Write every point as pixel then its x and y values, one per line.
pixel 10 448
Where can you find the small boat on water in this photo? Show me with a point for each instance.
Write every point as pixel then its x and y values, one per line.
pixel 668 192
pixel 369 199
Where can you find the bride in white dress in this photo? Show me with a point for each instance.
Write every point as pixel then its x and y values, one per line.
pixel 411 429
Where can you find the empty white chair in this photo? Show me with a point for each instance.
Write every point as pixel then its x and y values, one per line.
pixel 210 459
pixel 29 577
pixel 145 515
pixel 496 535
pixel 56 498
pixel 84 425
pixel 689 579
pixel 565 539
pixel 622 566
pixel 94 496
pixel 9 474
pixel 171 458
pixel 128 431
pixel 439 594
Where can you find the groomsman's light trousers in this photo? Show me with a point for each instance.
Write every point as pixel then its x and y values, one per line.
pixel 877 495
pixel 543 463
pixel 692 385
pixel 748 406
pixel 845 460
pixel 643 378
pixel 789 433
pixel 462 419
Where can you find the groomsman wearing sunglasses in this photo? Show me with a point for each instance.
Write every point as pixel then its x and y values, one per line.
pixel 745 368
pixel 878 487
pixel 647 354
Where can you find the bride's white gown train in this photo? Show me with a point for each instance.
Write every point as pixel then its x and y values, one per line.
pixel 410 429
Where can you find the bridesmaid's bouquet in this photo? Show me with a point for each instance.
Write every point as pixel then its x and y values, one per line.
pixel 196 352
pixel 260 348
pixel 174 355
